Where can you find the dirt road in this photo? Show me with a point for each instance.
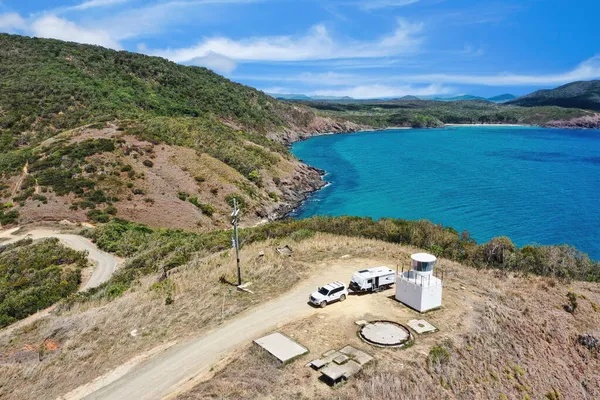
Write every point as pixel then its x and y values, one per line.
pixel 106 264
pixel 166 372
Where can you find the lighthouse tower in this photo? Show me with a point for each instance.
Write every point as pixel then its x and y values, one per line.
pixel 419 288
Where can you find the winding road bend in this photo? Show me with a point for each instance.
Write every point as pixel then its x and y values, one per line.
pixel 105 264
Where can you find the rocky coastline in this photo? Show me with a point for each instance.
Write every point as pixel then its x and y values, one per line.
pixel 586 122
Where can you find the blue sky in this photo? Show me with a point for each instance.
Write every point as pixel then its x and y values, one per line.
pixel 358 48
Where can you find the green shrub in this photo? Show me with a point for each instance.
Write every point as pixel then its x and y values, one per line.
pixel 274 196
pixel 9 217
pixel 241 203
pixel 439 355
pixel 572 306
pixel 302 234
pixel 126 168
pixel 116 289
pixel 87 204
pixel 111 210
pixel 207 209
pixel 34 276
pixel 194 201
pixel 98 216
pixel 148 163
pixel 183 196
pixel 39 197
pixel 199 179
pixel 254 176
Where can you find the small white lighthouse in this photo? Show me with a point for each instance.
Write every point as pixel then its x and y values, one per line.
pixel 418 288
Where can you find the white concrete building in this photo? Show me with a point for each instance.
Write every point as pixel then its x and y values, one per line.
pixel 418 288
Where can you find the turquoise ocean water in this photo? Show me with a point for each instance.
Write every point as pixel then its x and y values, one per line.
pixel 534 185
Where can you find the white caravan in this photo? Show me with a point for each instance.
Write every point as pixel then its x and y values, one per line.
pixel 328 294
pixel 372 280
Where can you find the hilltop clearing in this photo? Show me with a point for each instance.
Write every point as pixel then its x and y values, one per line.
pixel 174 290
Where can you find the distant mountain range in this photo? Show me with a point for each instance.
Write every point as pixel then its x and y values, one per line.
pixel 283 96
pixel 584 95
pixel 496 99
pixel 572 95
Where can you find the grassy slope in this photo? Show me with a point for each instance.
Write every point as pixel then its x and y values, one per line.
pixel 193 300
pixel 51 87
pixel 501 337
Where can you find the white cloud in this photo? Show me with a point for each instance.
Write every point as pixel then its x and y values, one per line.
pixel 51 26
pixel 377 4
pixel 94 4
pixel 317 44
pixel 216 62
pixel 587 70
pixel 11 22
pixel 155 18
pixel 380 91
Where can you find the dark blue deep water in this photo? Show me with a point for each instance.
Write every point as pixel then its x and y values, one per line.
pixel 533 185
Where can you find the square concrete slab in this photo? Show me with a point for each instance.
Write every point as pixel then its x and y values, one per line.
pixel 340 359
pixel 328 353
pixel 421 326
pixel 317 364
pixel 351 368
pixel 358 355
pixel 281 346
pixel 334 372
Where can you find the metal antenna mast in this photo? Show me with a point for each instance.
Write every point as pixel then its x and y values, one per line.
pixel 235 239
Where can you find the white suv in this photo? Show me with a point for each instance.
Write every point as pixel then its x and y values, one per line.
pixel 329 293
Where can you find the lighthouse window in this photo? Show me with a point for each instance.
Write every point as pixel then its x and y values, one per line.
pixel 423 266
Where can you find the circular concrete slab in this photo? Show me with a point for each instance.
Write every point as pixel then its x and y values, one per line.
pixel 384 333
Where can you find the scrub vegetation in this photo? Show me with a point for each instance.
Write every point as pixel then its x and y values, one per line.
pixel 157 251
pixel 34 276
pixel 431 113
pixel 53 93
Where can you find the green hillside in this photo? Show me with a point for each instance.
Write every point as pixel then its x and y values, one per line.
pixel 584 94
pixel 49 85
pixel 90 123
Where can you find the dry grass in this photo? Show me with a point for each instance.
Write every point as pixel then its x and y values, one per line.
pixel 174 171
pixel 507 336
pixel 94 338
pixel 510 334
